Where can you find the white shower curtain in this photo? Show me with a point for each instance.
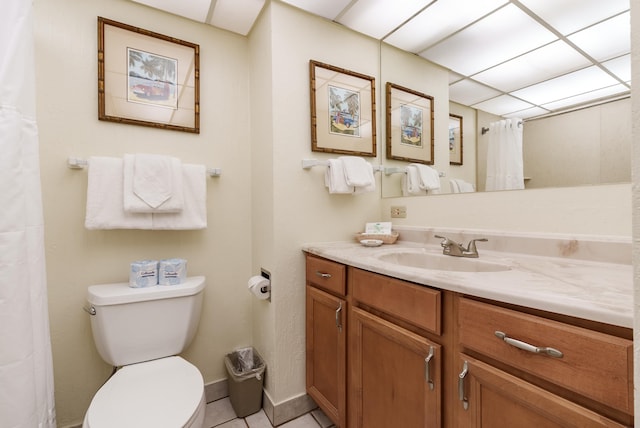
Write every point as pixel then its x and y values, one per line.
pixel 505 166
pixel 26 373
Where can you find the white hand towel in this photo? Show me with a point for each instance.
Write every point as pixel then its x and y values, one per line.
pixel 464 186
pixel 411 182
pixel 429 177
pixel 105 197
pixel 148 179
pixel 334 178
pixel 194 213
pixel 370 187
pixel 357 171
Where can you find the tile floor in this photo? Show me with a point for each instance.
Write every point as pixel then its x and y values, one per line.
pixel 220 414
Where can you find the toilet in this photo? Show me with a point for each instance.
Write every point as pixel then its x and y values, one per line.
pixel 141 331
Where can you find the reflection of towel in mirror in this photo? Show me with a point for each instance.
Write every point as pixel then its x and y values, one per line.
pixel 464 186
pixel 411 182
pixel 429 179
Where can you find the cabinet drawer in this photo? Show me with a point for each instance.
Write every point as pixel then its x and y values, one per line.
pixel 328 275
pixel 593 364
pixel 409 302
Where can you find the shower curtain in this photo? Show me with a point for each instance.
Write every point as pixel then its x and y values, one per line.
pixel 26 372
pixel 505 170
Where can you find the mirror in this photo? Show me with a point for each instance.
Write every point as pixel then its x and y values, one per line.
pixel 587 146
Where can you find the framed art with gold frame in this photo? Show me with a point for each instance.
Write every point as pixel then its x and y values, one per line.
pixel 343 111
pixel 146 78
pixel 410 135
pixel 455 139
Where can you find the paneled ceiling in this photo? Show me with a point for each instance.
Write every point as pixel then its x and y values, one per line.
pixel 517 58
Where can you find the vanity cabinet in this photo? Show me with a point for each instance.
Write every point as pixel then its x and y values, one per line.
pixel 326 337
pixel 383 352
pixel 396 372
pixel 517 368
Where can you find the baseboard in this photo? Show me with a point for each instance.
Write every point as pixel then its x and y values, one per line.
pixel 278 414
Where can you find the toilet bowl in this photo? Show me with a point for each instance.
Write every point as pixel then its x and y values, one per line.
pixel 141 330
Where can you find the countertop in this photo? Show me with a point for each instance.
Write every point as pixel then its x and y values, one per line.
pixel 586 289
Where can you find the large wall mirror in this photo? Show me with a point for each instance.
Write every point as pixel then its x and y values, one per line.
pixel 590 145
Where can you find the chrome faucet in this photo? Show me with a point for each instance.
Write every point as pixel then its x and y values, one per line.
pixel 452 248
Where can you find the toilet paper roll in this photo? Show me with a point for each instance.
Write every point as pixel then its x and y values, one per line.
pixel 256 286
pixel 144 273
pixel 172 271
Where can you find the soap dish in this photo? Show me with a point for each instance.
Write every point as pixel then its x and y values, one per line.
pixel 385 238
pixel 371 242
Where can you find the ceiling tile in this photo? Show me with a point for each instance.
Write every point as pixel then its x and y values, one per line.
pixel 525 114
pixel 568 16
pixel 429 27
pixel 196 10
pixel 329 9
pixel 587 97
pixel 572 84
pixel 606 40
pixel 503 35
pixel 377 18
pixel 549 61
pixel 468 92
pixel 236 15
pixel 620 66
pixel 502 105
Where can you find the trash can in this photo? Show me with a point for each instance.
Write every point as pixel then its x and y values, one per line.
pixel 246 377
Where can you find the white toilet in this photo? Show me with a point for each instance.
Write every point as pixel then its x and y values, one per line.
pixel 142 330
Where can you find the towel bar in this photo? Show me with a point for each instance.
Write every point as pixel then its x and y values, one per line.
pixel 79 163
pixel 309 163
pixel 402 170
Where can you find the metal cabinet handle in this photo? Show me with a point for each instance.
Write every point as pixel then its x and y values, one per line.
pixel 461 394
pixel 323 274
pixel 552 352
pixel 427 368
pixel 339 318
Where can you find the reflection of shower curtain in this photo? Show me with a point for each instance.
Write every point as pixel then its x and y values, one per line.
pixel 504 156
pixel 26 372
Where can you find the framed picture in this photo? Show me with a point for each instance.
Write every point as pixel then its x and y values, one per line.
pixel 455 139
pixel 343 111
pixel 146 78
pixel 410 136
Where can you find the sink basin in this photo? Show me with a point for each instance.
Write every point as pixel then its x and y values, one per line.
pixel 424 260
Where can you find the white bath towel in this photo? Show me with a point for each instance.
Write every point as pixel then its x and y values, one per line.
pixel 194 212
pixel 105 208
pixel 357 171
pixel 411 182
pixel 371 187
pixel 429 177
pixel 464 186
pixel 334 178
pixel 152 184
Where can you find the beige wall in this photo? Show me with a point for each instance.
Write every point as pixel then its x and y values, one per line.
pixel 263 207
pixel 65 35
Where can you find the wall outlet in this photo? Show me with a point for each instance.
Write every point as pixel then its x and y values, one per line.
pixel 398 212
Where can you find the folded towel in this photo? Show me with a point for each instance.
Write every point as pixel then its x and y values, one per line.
pixel 372 180
pixel 105 197
pixel 464 186
pixel 194 212
pixel 429 177
pixel 357 171
pixel 152 184
pixel 411 182
pixel 334 178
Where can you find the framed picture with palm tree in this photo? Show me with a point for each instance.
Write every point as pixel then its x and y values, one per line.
pixel 343 111
pixel 410 135
pixel 146 78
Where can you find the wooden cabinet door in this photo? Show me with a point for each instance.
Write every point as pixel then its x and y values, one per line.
pixel 395 375
pixel 326 353
pixel 490 398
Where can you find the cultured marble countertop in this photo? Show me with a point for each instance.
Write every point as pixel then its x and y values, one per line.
pixel 586 289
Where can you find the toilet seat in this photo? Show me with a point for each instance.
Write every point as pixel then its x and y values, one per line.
pixel 163 393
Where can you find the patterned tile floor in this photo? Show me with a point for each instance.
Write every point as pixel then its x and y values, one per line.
pixel 220 414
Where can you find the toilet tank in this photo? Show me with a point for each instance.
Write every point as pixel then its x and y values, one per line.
pixel 131 325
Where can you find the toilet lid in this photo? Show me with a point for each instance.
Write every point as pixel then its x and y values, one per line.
pixel 160 393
